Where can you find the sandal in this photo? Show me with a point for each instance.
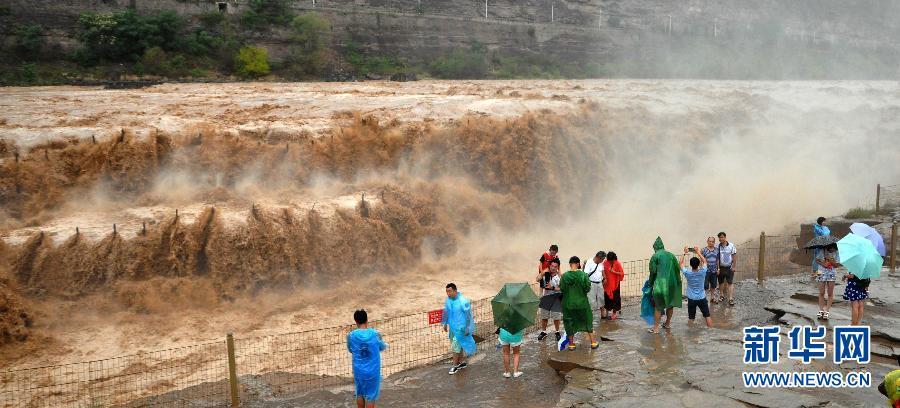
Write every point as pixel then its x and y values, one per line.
pixel 571 347
pixel 650 330
pixel 667 326
pixel 825 316
pixel 595 345
pixel 820 314
pixel 730 302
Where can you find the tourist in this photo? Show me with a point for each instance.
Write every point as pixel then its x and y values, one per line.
pixel 365 345
pixel 665 282
pixel 594 269
pixel 547 257
pixel 460 324
pixel 825 276
pixel 512 343
pixel 890 388
pixel 613 274
pixel 577 315
pixel 549 282
pixel 856 291
pixel 726 264
pixel 819 230
pixel 695 276
pixel 711 254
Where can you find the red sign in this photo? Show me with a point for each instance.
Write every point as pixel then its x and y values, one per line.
pixel 435 316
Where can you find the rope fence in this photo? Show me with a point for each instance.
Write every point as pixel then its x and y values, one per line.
pixel 294 363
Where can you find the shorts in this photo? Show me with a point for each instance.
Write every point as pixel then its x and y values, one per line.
pixel 545 314
pixel 711 281
pixel 703 304
pixel 613 303
pixel 826 276
pixel 369 389
pixel 455 346
pixel 511 344
pixel 726 273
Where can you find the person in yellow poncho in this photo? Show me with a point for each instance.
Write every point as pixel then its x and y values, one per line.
pixel 665 281
pixel 890 387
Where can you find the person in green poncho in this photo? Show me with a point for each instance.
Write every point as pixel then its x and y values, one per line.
pixel 665 281
pixel 576 309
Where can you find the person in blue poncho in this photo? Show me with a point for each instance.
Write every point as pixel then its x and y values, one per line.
pixel 460 325
pixel 365 345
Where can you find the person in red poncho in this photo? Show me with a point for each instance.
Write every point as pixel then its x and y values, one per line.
pixel 613 273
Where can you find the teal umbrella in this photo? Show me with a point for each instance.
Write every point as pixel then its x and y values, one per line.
pixel 514 307
pixel 860 257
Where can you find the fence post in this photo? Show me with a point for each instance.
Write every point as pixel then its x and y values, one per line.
pixel 761 272
pixel 232 371
pixel 877 199
pixel 893 262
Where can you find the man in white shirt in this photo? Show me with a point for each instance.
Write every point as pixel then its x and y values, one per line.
pixel 594 270
pixel 727 262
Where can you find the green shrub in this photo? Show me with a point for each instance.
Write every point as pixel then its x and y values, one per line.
pixel 124 36
pixel 461 64
pixel 264 13
pixel 251 62
pixel 859 212
pixel 28 73
pixel 29 41
pixel 310 35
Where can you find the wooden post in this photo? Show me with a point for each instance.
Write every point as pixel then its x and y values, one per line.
pixel 232 371
pixel 877 199
pixel 114 229
pixel 761 272
pixel 893 262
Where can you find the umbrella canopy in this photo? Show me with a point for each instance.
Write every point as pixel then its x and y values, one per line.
pixel 860 257
pixel 870 234
pixel 820 242
pixel 514 307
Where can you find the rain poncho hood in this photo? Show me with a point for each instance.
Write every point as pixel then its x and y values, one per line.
pixel 458 316
pixel 665 277
pixel 892 387
pixel 576 309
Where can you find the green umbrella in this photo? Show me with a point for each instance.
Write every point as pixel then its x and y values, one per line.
pixel 860 257
pixel 514 307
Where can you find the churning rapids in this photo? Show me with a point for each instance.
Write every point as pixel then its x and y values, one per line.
pixel 297 203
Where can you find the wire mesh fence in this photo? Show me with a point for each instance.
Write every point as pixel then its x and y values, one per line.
pixel 198 371
pixel 293 363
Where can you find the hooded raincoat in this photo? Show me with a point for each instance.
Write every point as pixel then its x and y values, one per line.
pixel 576 309
pixel 665 277
pixel 458 316
pixel 366 346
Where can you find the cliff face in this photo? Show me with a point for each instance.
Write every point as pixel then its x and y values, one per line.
pixel 570 30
